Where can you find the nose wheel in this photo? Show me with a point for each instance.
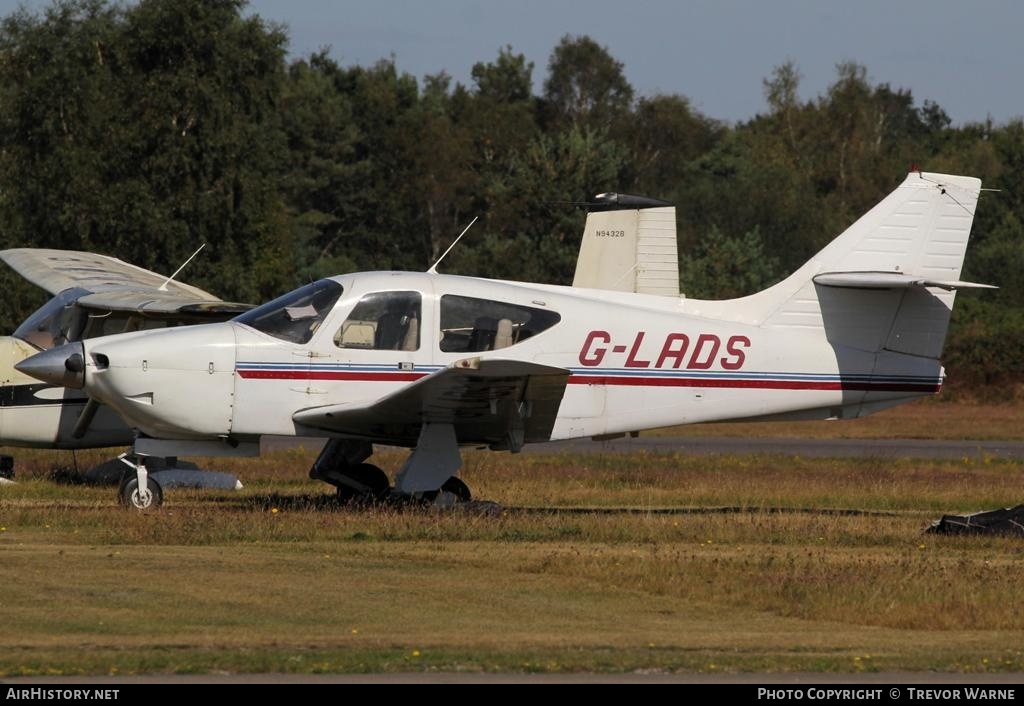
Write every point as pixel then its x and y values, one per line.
pixel 138 490
pixel 149 497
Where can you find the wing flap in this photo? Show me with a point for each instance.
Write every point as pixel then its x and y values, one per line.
pixel 503 403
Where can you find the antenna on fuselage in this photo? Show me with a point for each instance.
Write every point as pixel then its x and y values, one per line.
pixel 163 287
pixel 433 268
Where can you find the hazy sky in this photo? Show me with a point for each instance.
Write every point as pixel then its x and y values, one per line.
pixel 966 56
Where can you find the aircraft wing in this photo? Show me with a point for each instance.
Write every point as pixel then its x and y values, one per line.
pixel 113 284
pixel 502 403
pixel 156 302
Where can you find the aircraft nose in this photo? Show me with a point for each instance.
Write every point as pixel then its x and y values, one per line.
pixel 63 366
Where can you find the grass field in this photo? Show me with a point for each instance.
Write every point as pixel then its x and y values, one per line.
pixel 709 564
pixel 928 418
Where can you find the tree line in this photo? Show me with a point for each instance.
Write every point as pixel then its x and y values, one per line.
pixel 143 131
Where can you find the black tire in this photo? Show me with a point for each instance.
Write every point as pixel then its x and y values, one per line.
pixel 454 487
pixel 363 482
pixel 129 494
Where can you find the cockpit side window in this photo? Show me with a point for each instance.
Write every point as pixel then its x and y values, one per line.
pixel 296 316
pixel 383 321
pixel 469 325
pixel 105 323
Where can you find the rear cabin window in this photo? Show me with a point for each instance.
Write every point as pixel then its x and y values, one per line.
pixel 296 316
pixel 383 321
pixel 469 325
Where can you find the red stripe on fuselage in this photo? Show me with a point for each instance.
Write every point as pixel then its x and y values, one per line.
pixel 751 384
pixel 611 380
pixel 328 375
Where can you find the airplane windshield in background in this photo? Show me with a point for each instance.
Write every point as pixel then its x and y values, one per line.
pixel 296 316
pixel 470 325
pixel 55 323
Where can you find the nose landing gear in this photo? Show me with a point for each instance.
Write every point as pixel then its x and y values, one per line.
pixel 139 490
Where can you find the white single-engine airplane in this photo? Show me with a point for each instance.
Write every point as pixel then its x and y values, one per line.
pixel 93 295
pixel 97 295
pixel 434 362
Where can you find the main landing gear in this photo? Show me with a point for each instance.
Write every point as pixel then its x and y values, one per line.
pixel 362 482
pixel 427 477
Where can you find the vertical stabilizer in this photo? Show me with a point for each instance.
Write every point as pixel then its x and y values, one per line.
pixel 919 232
pixel 887 283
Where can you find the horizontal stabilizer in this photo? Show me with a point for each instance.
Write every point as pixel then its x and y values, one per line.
pixel 890 280
pixel 612 201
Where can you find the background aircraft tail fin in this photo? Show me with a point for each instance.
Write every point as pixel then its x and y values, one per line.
pixel 629 245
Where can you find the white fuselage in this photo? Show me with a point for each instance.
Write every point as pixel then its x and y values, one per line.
pixel 636 362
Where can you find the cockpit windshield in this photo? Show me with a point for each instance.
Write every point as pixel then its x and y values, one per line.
pixel 296 316
pixel 56 322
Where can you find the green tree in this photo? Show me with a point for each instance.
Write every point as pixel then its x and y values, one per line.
pixel 200 105
pixel 500 116
pixel 143 132
pixel 530 232
pixel 386 227
pixel 664 136
pixel 58 74
pixel 724 267
pixel 441 161
pixel 586 84
pixel 509 79
pixel 782 93
pixel 322 170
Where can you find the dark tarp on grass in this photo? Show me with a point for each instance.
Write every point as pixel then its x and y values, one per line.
pixel 1008 521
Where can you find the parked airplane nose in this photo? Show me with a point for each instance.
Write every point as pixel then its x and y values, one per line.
pixel 63 366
